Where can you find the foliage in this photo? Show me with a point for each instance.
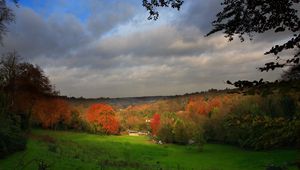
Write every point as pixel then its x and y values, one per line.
pixel 77 122
pixel 151 5
pixel 23 84
pixel 240 17
pixel 21 77
pixel 261 132
pixel 50 112
pixel 293 73
pixel 256 122
pixel 155 124
pixel 133 120
pixel 202 106
pixel 182 133
pixel 263 122
pixel 248 17
pixel 12 138
pixel 103 118
pixel 165 133
pixel 198 137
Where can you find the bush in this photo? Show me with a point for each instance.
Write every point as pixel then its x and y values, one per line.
pixel 198 137
pixel 12 138
pixel 165 133
pixel 77 122
pixel 261 132
pixel 213 129
pixel 279 106
pixel 258 123
pixel 181 133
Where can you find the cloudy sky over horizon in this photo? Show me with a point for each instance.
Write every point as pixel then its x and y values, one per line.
pixel 100 48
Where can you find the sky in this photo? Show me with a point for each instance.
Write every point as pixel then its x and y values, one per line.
pixel 101 48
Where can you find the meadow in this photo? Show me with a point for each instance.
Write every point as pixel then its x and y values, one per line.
pixel 74 150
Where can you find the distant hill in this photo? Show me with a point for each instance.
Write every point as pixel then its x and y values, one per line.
pixel 268 88
pixel 127 101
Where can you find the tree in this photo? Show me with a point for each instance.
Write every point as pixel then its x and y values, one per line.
pixel 155 123
pixel 240 17
pixel 23 84
pixel 153 4
pixel 49 112
pixel 182 132
pixel 6 17
pixel 102 115
pixel 293 73
pixel 197 106
pixel 8 74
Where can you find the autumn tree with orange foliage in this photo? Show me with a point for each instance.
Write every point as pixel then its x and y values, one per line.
pixel 203 107
pixel 50 112
pixel 155 123
pixel 102 115
pixel 197 105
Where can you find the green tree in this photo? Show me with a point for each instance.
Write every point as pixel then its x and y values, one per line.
pixel 165 133
pixel 181 132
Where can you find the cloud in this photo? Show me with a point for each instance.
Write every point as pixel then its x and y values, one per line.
pixel 200 14
pixel 103 20
pixel 115 52
pixel 34 36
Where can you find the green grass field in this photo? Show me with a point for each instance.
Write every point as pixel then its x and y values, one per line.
pixel 70 150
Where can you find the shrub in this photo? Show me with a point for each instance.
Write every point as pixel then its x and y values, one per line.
pixel 52 113
pixel 12 138
pixel 261 132
pixel 165 133
pixel 213 129
pixel 181 133
pixel 198 137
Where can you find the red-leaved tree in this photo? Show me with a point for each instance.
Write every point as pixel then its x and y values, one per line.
pixel 50 112
pixel 103 115
pixel 155 123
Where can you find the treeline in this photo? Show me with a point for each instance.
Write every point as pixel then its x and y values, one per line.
pixel 249 121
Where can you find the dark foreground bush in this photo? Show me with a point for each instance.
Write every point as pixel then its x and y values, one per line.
pixel 261 132
pixel 12 138
pixel 258 123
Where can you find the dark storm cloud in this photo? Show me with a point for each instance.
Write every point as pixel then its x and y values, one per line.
pixel 103 20
pixel 34 36
pixel 200 13
pixel 61 35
